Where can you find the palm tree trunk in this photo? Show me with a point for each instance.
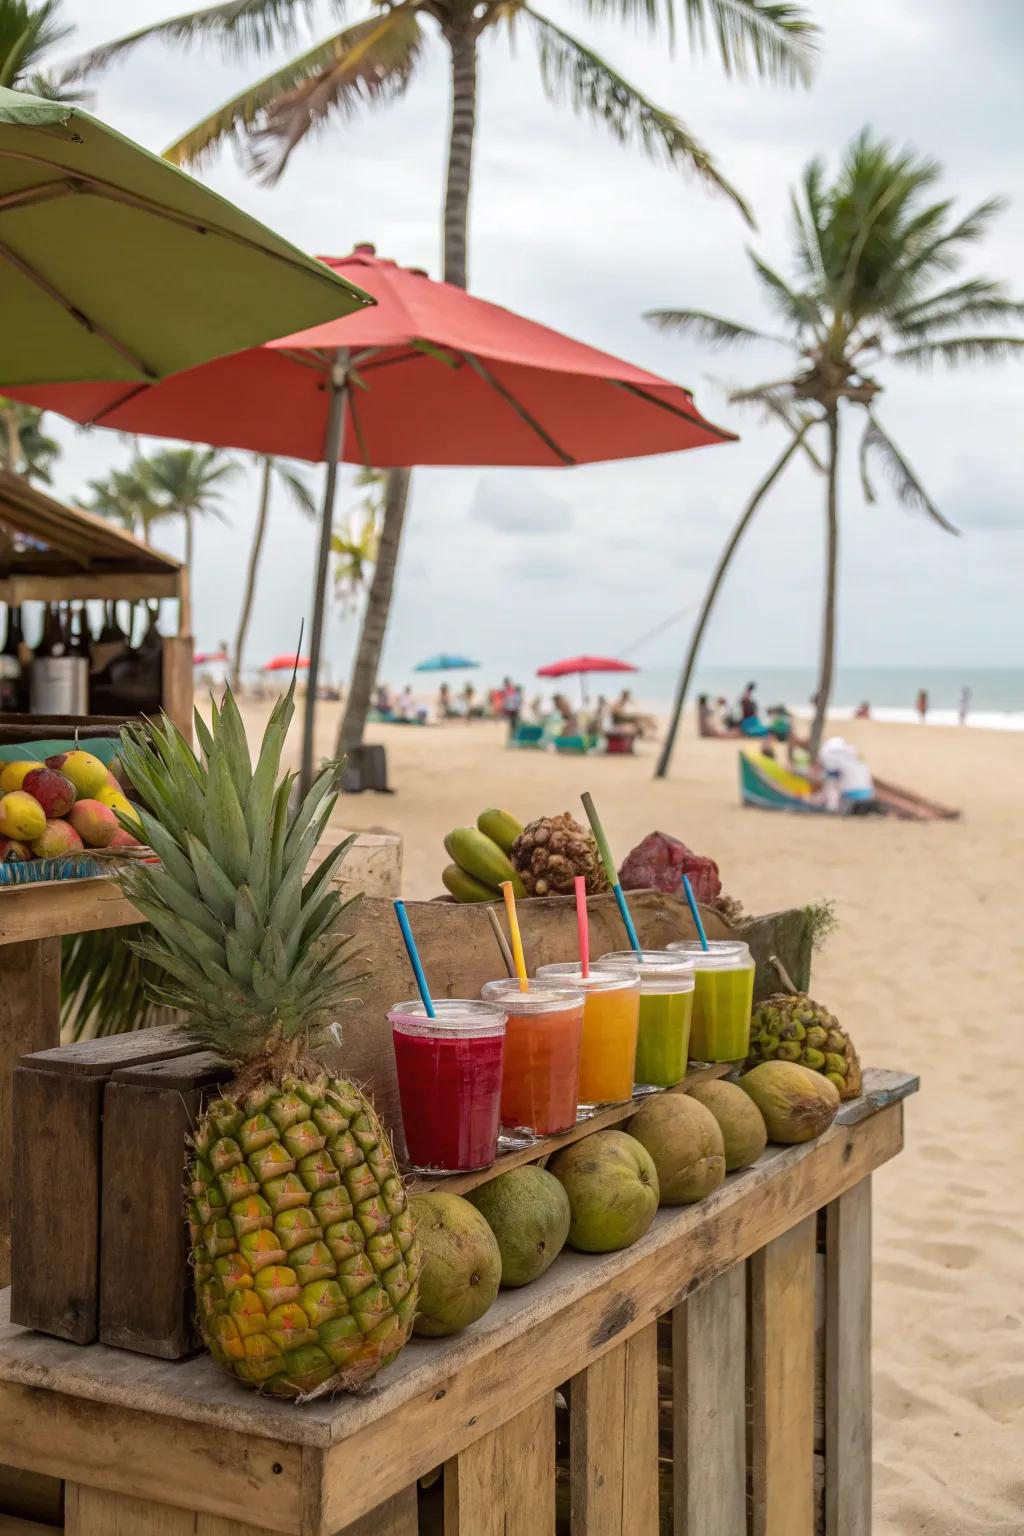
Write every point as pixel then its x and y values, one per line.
pixel 189 541
pixel 716 581
pixel 375 619
pixel 255 550
pixel 828 629
pixel 462 130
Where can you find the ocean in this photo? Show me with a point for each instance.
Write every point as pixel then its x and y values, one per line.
pixel 997 693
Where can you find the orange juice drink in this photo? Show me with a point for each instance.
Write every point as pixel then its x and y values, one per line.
pixel 611 1017
pixel 541 1074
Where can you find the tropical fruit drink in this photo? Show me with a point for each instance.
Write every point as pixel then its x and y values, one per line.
pixel 540 1081
pixel 449 1082
pixel 722 1000
pixel 666 1003
pixel 611 1016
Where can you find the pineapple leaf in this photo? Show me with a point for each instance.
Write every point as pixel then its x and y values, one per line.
pixel 239 958
pixel 286 907
pixel 160 885
pixel 175 750
pixel 320 788
pixel 223 826
pixel 279 829
pixel 261 982
pixel 247 920
pixel 214 886
pixel 203 735
pixel 233 744
pixel 259 807
pixel 324 868
pixel 156 836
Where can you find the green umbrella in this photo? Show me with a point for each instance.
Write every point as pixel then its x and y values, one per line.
pixel 116 265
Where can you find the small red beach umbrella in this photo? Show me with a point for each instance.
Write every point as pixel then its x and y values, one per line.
pixel 574 664
pixel 428 375
pixel 286 664
pixel 203 658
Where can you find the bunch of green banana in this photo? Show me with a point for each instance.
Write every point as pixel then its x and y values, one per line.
pixel 480 858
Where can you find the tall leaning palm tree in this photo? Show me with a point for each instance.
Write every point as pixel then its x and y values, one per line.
pixel 291 481
pixel 371 62
pixel 126 496
pixel 876 279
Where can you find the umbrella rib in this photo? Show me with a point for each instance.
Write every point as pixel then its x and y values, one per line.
pixel 675 410
pixel 29 272
pixel 520 410
pixel 29 197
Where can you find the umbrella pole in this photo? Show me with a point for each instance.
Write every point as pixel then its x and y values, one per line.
pixel 334 440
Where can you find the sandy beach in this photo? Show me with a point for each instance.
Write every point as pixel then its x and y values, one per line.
pixel 926 968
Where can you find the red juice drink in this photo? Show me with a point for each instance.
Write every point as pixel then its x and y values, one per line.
pixel 540 1085
pixel 449 1082
pixel 666 1005
pixel 723 999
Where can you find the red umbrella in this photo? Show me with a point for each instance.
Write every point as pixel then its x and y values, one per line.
pixel 286 664
pixel 203 658
pixel 440 378
pixel 574 664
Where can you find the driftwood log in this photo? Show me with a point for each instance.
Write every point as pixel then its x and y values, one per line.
pixel 459 954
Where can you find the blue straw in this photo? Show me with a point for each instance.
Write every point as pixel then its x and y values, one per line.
pixel 691 902
pixel 414 959
pixel 620 902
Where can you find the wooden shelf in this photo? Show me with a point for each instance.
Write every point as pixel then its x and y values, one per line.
pixel 50 909
pixel 600 1120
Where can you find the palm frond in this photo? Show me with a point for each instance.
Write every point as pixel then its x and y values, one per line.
pixel 570 71
pixel 954 351
pixel 909 490
pixel 809 222
pixel 776 403
pixel 368 64
pixel 297 486
pixel 773 40
pixel 924 323
pixel 713 329
pixel 940 252
pixel 241 27
pixel 801 310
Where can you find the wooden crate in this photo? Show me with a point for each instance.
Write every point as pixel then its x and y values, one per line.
pixel 57 1105
pixel 549 1417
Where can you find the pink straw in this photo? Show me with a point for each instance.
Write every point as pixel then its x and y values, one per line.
pixel 583 924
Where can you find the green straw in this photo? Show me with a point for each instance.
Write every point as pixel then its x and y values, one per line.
pixel 610 870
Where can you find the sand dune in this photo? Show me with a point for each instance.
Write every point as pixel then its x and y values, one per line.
pixel 927 968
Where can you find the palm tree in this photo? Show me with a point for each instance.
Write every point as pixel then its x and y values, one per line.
pixel 370 62
pixel 356 546
pixel 29 31
pixel 874 281
pixel 295 485
pixel 126 497
pixel 25 449
pixel 188 483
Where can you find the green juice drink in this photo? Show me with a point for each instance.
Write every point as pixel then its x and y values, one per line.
pixel 666 1005
pixel 723 998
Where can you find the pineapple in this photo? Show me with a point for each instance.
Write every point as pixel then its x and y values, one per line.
pixel 551 851
pixel 305 1259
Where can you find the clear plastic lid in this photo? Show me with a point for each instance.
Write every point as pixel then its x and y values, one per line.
pixel 720 955
pixel 566 973
pixel 456 1017
pixel 659 969
pixel 539 997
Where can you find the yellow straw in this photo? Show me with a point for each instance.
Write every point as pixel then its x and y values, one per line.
pixel 517 938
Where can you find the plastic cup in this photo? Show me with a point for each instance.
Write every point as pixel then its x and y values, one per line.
pixel 723 999
pixel 540 1084
pixel 666 1005
pixel 611 1016
pixel 449 1082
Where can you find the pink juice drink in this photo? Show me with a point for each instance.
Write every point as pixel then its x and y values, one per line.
pixel 449 1082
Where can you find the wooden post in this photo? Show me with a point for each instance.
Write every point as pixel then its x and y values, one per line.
pixel 709 1408
pixel 504 1483
pixel 848 1363
pixel 782 1381
pixel 613 1441
pixel 177 691
pixel 29 1021
pixel 97 1512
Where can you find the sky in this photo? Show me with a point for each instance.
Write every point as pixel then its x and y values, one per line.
pixel 575 230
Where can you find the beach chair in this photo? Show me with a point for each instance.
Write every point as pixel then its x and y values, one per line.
pixel 575 744
pixel 527 736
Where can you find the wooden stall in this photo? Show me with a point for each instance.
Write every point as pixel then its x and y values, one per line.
pixel 711 1380
pixel 64 554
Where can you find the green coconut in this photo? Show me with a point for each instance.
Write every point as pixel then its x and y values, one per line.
pixel 612 1185
pixel 686 1144
pixel 461 1264
pixel 740 1121
pixel 528 1211
pixel 797 1103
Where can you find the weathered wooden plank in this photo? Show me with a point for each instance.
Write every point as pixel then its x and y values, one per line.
pixel 598 1120
pixel 97 1512
pixel 397 1516
pixel 503 1484
pixel 613 1441
pixel 848 1363
pixel 13 1525
pixel 158 1460
pixel 52 908
pixel 640 1471
pixel 709 1433
pixel 31 1496
pixel 148 1111
pixel 782 1383
pixel 29 1020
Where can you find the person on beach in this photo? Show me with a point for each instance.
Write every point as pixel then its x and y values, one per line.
pixel 863 711
pixel 748 703
pixel 848 786
pixel 922 704
pixel 511 704
pixel 964 705
pixel 624 714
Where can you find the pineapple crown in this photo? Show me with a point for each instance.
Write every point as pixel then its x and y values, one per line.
pixel 249 949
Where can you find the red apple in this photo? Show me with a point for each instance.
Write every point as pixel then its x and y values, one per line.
pixel 54 791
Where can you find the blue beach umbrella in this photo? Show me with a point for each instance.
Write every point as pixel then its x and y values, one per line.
pixel 445 663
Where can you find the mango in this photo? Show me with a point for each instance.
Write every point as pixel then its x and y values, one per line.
pixel 94 822
pixel 85 771
pixel 57 838
pixel 12 775
pixel 21 816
